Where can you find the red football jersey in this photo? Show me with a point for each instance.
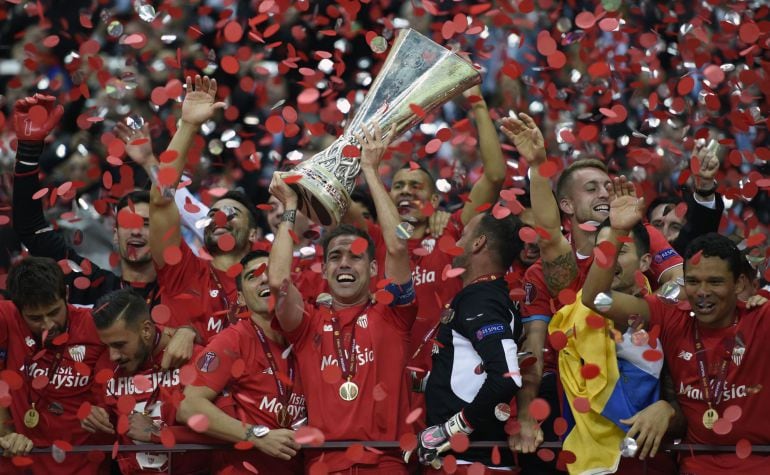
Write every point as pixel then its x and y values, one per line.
pixel 69 370
pixel 252 395
pixel 379 412
pixel 745 390
pixel 198 294
pixel 161 390
pixel 428 262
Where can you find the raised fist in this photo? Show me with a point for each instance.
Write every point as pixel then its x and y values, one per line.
pixel 34 117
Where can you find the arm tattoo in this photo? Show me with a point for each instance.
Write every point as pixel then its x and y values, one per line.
pixel 560 272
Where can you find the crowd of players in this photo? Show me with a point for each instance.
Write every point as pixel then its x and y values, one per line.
pixel 426 328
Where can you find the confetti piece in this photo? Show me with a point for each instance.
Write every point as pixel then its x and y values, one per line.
pixel 539 409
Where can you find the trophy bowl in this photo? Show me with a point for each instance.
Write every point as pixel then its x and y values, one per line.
pixel 417 72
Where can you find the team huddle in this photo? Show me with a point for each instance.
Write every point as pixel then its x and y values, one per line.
pixel 525 316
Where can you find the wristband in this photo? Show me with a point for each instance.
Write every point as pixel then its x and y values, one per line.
pixel 290 215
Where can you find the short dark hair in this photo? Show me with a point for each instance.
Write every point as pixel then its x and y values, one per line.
pixel 347 230
pixel 360 196
pixel 716 245
pixel 565 179
pixel 138 196
pixel 431 180
pixel 639 234
pixel 123 304
pixel 670 201
pixel 36 281
pixel 245 261
pixel 244 200
pixel 502 236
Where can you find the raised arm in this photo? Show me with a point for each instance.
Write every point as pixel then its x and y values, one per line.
pixel 28 219
pixel 625 211
pixel 288 300
pixel 197 108
pixel 373 146
pixel 488 187
pixel 559 262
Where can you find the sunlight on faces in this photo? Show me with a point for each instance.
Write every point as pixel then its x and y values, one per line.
pixel 128 347
pixel 134 243
pixel 664 218
pixel 712 290
pixel 237 225
pixel 587 198
pixel 254 289
pixel 628 263
pixel 348 274
pixel 410 191
pixel 51 317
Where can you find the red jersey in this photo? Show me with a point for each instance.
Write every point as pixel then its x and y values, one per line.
pixel 539 305
pixel 747 375
pixel 252 396
pixel 157 393
pixel 198 294
pixel 433 292
pixel 68 368
pixel 379 412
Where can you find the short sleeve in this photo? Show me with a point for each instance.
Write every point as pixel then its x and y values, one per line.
pixel 213 363
pixel 536 304
pixel 299 335
pixel 183 276
pixel 402 317
pixel 657 309
pixel 664 257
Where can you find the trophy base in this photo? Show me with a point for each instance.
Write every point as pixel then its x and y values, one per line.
pixel 320 195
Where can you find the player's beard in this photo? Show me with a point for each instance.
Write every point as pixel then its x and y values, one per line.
pixel 143 352
pixel 241 239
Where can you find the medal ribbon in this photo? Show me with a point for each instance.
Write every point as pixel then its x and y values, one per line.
pixel 283 391
pixel 700 355
pixel 347 366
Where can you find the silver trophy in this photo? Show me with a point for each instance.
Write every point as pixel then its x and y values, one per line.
pixel 416 72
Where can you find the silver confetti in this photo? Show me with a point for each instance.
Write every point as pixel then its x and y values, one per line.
pixel 135 122
pixel 670 291
pixel 379 44
pixel 324 299
pixel 628 447
pixel 603 302
pixel 146 13
pixel 502 412
pixel 404 230
pixel 115 28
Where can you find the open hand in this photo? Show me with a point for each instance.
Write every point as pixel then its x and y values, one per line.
pixel 199 105
pixel 648 427
pixel 523 133
pixel 138 143
pixel 625 208
pixel 373 145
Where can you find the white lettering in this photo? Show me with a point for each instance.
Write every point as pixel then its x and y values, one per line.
pixel 215 325
pixel 423 276
pixel 731 391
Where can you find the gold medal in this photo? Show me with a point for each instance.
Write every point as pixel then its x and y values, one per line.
pixel 31 417
pixel 709 418
pixel 283 417
pixel 348 391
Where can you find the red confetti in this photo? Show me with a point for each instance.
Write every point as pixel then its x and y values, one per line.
pixel 652 355
pixel 743 449
pixel 585 20
pixel 359 246
pixel 198 422
pixel 408 442
pixel 590 371
pixel 595 321
pixel 558 340
pixel 539 409
pixel 459 442
pixel 581 405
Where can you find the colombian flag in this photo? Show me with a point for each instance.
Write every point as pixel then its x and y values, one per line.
pixel 625 384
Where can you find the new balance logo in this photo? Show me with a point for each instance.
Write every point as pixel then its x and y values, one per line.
pixel 685 355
